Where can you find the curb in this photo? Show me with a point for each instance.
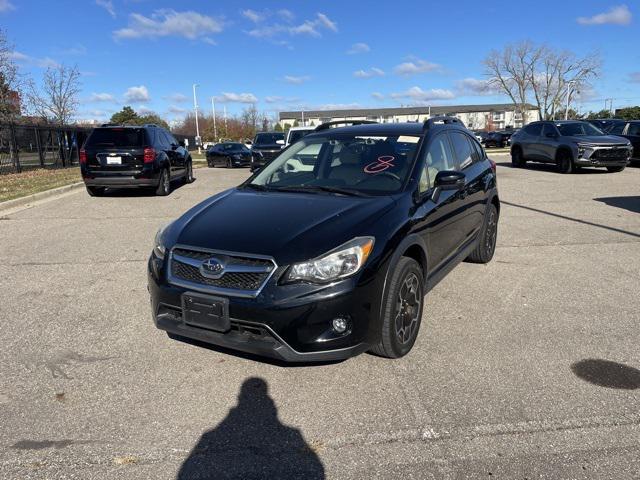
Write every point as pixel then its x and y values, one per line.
pixel 22 201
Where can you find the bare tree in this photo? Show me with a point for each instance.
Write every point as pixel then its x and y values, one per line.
pixel 57 101
pixel 510 71
pixel 555 72
pixel 527 72
pixel 11 82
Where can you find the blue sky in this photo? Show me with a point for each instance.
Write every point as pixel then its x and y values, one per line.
pixel 295 54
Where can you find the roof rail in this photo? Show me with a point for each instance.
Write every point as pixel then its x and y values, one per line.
pixel 430 122
pixel 150 125
pixel 327 125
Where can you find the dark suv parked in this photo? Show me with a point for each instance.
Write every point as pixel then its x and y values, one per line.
pixel 322 261
pixel 631 131
pixel 117 156
pixel 266 146
pixel 569 144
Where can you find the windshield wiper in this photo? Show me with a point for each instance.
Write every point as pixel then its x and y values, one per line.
pixel 257 186
pixel 319 188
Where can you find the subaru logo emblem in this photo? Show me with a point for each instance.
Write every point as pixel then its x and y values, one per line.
pixel 212 268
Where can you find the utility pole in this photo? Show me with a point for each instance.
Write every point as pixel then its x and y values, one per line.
pixel 566 112
pixel 226 132
pixel 302 111
pixel 213 112
pixel 195 108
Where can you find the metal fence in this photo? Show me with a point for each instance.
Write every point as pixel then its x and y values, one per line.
pixel 26 147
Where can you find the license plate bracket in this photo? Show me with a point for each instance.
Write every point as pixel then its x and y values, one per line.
pixel 205 311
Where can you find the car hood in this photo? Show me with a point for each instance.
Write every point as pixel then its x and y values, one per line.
pixel 287 226
pixel 601 139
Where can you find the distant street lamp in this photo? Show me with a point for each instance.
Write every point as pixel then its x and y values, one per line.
pixel 195 108
pixel 566 112
pixel 213 112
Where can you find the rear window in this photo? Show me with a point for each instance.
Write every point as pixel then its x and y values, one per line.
pixel 296 135
pixel 116 137
pixel 268 138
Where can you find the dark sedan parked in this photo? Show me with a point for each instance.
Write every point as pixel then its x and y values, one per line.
pixel 322 263
pixel 497 139
pixel 228 154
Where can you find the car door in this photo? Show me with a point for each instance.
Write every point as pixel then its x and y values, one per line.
pixel 436 221
pixel 633 134
pixel 180 153
pixel 549 143
pixel 530 141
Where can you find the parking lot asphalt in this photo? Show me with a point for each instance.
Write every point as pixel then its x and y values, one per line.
pixel 527 367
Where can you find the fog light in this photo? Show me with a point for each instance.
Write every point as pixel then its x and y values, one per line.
pixel 340 324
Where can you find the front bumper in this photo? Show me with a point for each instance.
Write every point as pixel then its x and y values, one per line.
pixel 603 156
pixel 282 322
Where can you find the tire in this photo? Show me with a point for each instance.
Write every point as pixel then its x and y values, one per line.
pixel 229 163
pixel 164 185
pixel 486 246
pixel 517 160
pixel 95 191
pixel 402 312
pixel 615 169
pixel 210 164
pixel 188 176
pixel 565 162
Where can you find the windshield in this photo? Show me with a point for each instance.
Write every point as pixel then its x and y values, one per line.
pixel 233 147
pixel 574 129
pixel 351 163
pixel 296 135
pixel 116 137
pixel 268 138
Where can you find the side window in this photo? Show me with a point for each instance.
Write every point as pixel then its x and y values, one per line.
pixel 160 139
pixel 534 129
pixel 549 129
pixel 634 129
pixel 618 128
pixel 462 149
pixel 438 158
pixel 478 153
pixel 172 139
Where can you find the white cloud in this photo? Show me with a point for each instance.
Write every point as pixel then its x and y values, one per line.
pixel 420 95
pixel 273 99
pixel 177 98
pixel 102 97
pixel 137 94
pixel 620 15
pixel 296 80
pixel 228 97
pixel 475 86
pixel 377 96
pixel 77 49
pixel 286 15
pixel 177 110
pixel 358 48
pixel 44 62
pixel 108 6
pixel 252 15
pixel 634 77
pixel 167 22
pixel 415 67
pixel 6 6
pixel 372 72
pixel 144 111
pixel 312 28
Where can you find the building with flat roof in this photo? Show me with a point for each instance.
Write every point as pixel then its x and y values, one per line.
pixel 477 117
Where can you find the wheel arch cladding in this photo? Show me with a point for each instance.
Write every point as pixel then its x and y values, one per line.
pixel 417 253
pixel 562 150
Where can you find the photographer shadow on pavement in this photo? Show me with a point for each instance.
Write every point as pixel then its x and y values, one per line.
pixel 252 443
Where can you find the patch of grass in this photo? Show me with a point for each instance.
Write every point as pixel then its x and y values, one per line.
pixel 16 185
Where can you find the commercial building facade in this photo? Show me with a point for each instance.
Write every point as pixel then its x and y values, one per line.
pixel 476 117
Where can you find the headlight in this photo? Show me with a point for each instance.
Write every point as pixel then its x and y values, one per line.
pixel 339 263
pixel 159 249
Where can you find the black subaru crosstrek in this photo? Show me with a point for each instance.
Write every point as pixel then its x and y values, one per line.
pixel 117 156
pixel 323 261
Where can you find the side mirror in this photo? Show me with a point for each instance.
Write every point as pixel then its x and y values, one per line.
pixel 447 180
pixel 280 142
pixel 182 144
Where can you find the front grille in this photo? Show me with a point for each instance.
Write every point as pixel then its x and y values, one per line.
pixel 611 154
pixel 244 275
pixel 269 155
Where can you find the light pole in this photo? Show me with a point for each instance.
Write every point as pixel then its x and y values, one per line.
pixel 213 112
pixel 566 112
pixel 195 108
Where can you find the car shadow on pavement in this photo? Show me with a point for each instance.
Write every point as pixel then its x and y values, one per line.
pixel 628 203
pixel 607 374
pixel 141 192
pixel 252 443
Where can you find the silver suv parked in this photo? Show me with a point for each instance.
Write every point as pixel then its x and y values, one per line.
pixel 569 144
